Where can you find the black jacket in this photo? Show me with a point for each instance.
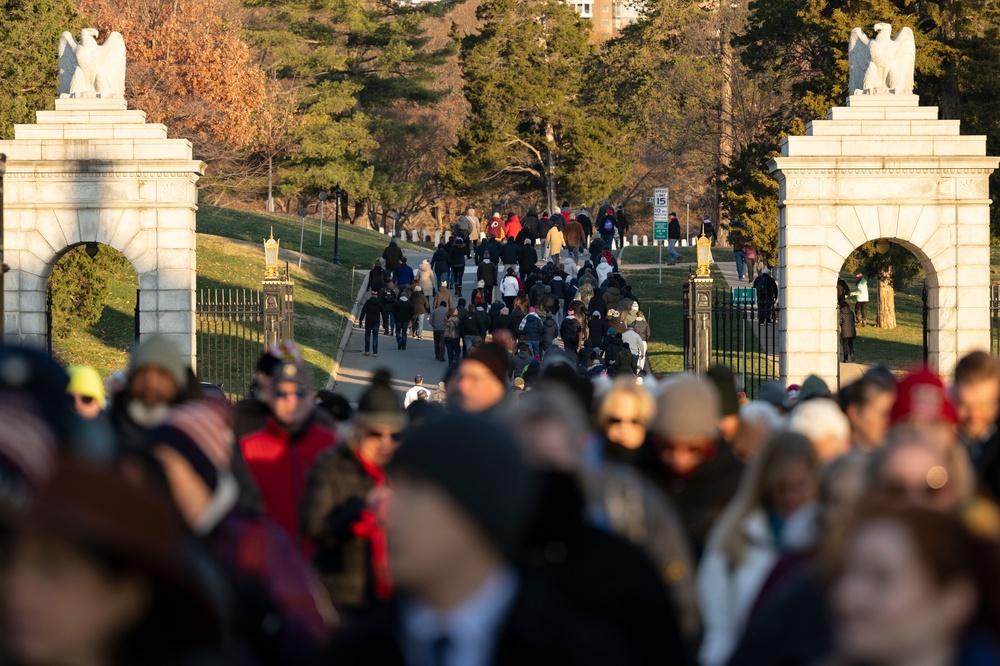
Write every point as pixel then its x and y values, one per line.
pixel 488 274
pixel 403 311
pixel 700 496
pixel 509 253
pixel 456 253
pixel 527 257
pixel 370 313
pixel 673 229
pixel 570 331
pixel 376 278
pixel 469 325
pixel 549 331
pixel 392 254
pixel 440 261
pixel 602 574
pixel 335 495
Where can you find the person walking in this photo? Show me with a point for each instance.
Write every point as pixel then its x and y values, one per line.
pixel 708 229
pixel 673 236
pixel 456 259
pixel 495 229
pixel 452 339
pixel 404 274
pixel 861 295
pixel 531 328
pixel 574 237
pixel 377 277
pixel 425 277
pixel 554 240
pixel 439 321
pixel 421 307
pixel 750 259
pixel 392 255
pixel 402 311
pixel 527 257
pixel 441 264
pixel 387 297
pixel 607 228
pixel 487 274
pixel 767 294
pixel 509 288
pixel 370 317
pixel 845 322
pixel 444 295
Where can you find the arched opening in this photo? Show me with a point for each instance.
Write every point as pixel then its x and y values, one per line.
pixel 891 326
pixel 91 314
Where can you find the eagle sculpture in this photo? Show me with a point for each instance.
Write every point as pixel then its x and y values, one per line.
pixel 89 69
pixel 881 65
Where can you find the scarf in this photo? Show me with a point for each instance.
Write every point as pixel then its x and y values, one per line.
pixel 368 527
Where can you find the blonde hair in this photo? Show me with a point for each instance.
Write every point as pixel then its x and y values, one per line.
pixel 621 387
pixel 758 482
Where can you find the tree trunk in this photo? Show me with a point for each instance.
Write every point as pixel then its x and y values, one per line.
pixel 270 184
pixel 886 301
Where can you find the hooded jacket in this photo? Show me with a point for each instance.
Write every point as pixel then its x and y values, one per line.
pixel 513 227
pixel 425 277
pixel 531 327
pixel 487 272
pixel 392 254
pixel 509 252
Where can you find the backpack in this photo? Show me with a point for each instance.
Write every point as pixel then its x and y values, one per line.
pixel 609 223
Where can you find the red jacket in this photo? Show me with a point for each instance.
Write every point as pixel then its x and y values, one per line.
pixel 279 464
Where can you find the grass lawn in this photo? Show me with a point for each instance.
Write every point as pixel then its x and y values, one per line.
pixel 231 256
pixel 900 348
pixel 638 254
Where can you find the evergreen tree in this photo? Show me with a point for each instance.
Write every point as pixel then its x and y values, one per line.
pixel 29 67
pixel 532 128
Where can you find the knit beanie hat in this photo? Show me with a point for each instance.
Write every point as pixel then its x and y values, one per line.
pixel 494 357
pixel 725 383
pixel 84 380
pixel 159 351
pixel 922 395
pixel 487 480
pixel 688 406
pixel 813 387
pixel 380 405
pixel 202 433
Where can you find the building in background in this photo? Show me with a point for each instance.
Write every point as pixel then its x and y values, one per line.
pixel 608 17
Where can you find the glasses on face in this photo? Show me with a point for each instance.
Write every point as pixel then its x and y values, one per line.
pixel 299 393
pixel 84 399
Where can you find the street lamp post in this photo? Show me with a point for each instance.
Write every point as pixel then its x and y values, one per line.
pixel 3 266
pixel 322 199
pixel 687 224
pixel 302 234
pixel 336 225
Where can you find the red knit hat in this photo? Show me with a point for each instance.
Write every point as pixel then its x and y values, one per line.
pixel 922 395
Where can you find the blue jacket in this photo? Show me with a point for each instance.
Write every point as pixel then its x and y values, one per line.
pixel 404 275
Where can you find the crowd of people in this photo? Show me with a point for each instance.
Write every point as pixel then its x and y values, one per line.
pixel 570 299
pixel 535 507
pixel 602 520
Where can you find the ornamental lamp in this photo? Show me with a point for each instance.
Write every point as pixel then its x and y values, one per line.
pixel 271 257
pixel 704 244
pixel 882 245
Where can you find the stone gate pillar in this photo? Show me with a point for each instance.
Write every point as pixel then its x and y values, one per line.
pixel 93 170
pixel 882 167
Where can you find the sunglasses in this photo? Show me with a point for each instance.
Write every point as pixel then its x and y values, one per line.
pixel 617 421
pixel 396 436
pixel 300 393
pixel 85 399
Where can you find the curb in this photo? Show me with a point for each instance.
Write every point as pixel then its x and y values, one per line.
pixel 345 337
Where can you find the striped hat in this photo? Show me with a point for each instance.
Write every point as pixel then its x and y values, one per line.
pixel 201 432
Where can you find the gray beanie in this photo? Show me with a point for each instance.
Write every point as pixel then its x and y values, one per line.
pixel 486 478
pixel 159 351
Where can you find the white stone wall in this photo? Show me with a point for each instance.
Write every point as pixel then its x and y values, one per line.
pixel 882 167
pixel 94 171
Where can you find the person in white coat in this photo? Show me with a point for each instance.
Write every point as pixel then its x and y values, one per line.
pixel 425 276
pixel 748 538
pixel 603 270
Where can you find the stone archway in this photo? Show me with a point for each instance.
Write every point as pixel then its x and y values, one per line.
pixel 882 167
pixel 93 170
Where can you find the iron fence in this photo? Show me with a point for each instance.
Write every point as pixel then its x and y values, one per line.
pixel 230 338
pixel 745 337
pixel 995 319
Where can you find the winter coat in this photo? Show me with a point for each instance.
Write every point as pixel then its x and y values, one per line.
pixel 574 234
pixel 583 217
pixel 513 227
pixel 846 321
pixel 701 495
pixel 637 511
pixel 544 225
pixel 516 317
pixel 726 591
pixel 387 298
pixel 531 327
pixel 489 248
pixel 452 326
pixel 570 331
pixel 861 290
pixel 527 257
pixel 603 271
pixel 456 253
pixel 392 254
pixel 279 462
pixel 598 304
pixel 469 325
pixel 421 305
pixel 509 253
pixel 335 496
pixel 597 330
pixel 673 229
pixel 425 277
pixel 402 310
pixel 441 262
pixel 482 321
pixel 585 293
pixel 642 328
pixel 439 318
pixel 510 286
pixel 269 575
pixel 404 275
pixel 550 331
pixel 495 229
pixel 377 278
pixel 445 296
pixel 487 272
pixel 632 341
pixel 625 362
pixel 370 313
pixel 596 246
pixel 519 362
pixel 530 224
pixel 611 298
pixel 558 287
pixel 555 239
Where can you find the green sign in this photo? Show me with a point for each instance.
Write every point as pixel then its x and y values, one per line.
pixel 660 231
pixel 744 296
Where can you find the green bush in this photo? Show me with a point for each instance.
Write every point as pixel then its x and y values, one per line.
pixel 79 287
